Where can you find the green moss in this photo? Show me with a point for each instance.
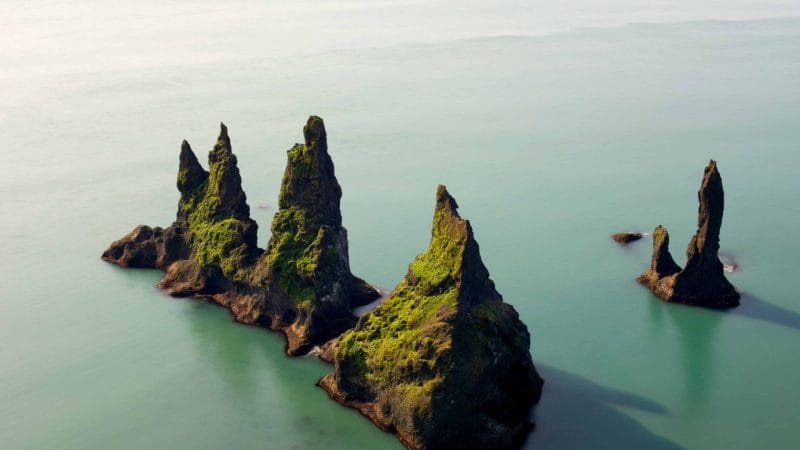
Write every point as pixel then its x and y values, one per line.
pixel 302 165
pixel 402 340
pixel 406 344
pixel 296 252
pixel 182 177
pixel 408 331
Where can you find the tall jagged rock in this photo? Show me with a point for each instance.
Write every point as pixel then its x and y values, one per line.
pixel 302 285
pixel 702 281
pixel 443 361
pixel 212 242
pixel 306 267
pixel 190 173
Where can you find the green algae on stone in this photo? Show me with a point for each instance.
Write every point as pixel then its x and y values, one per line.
pixel 443 361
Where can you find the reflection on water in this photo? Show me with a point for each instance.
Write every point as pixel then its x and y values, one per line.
pixel 695 329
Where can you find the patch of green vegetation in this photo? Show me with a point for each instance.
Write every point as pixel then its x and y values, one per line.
pixel 302 165
pixel 215 243
pixel 182 176
pixel 406 344
pixel 402 341
pixel 297 250
pixel 415 397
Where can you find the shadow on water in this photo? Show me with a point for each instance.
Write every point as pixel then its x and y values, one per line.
pixel 575 413
pixel 755 308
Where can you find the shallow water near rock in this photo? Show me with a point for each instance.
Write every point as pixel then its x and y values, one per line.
pixel 550 143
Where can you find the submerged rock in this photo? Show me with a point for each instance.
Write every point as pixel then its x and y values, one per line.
pixel 702 281
pixel 626 237
pixel 302 284
pixel 443 361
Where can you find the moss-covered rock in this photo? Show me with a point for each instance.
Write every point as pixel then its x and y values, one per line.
pixel 702 281
pixel 443 361
pixel 306 264
pixel 212 242
pixel 302 285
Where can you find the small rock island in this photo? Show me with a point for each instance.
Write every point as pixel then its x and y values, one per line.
pixel 626 237
pixel 300 285
pixel 443 361
pixel 702 281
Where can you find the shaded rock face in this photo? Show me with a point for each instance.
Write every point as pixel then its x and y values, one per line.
pixel 211 250
pixel 306 265
pixel 702 281
pixel 626 237
pixel 443 361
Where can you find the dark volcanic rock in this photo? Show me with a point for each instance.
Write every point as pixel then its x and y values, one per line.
pixel 306 267
pixel 702 281
pixel 146 247
pixel 626 237
pixel 190 173
pixel 302 285
pixel 443 361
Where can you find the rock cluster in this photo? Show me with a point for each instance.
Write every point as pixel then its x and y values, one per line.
pixel 443 361
pixel 301 284
pixel 702 281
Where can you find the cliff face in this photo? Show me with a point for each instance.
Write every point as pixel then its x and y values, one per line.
pixel 702 281
pixel 443 361
pixel 306 265
pixel 301 285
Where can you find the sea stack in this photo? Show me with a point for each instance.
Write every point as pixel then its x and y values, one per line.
pixel 702 281
pixel 301 285
pixel 212 243
pixel 443 361
pixel 306 267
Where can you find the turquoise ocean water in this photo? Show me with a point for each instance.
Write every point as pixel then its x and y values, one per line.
pixel 549 141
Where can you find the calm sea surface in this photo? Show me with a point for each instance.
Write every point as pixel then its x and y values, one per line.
pixel 550 139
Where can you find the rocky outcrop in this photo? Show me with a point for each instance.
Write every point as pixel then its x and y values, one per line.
pixel 626 237
pixel 306 266
pixel 212 242
pixel 301 285
pixel 443 361
pixel 702 281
